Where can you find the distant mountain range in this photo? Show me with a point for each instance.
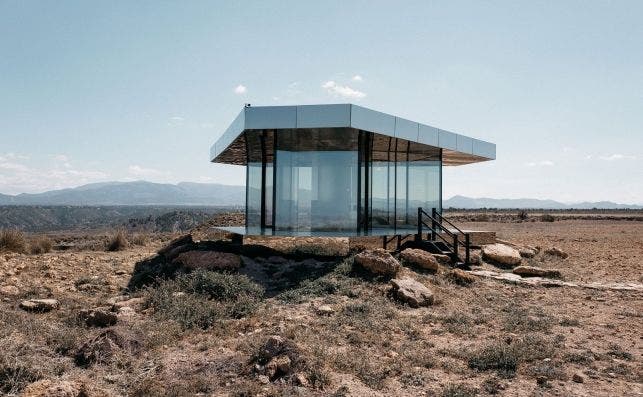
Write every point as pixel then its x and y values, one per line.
pixel 135 193
pixel 208 194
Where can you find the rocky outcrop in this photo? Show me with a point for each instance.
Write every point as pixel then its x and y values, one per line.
pixel 501 254
pixel 378 261
pixel 412 292
pixel 420 258
pixel 208 260
pixel 531 271
pixel 278 357
pixel 39 305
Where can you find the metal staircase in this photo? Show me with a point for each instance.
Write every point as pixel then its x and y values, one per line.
pixel 438 235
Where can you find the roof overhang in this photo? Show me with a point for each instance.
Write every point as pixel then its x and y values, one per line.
pixel 457 149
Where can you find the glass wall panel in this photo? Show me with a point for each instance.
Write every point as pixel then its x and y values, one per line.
pixel 316 184
pixel 253 194
pixel 424 189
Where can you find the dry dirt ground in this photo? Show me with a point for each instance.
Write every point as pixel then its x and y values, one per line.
pixel 487 338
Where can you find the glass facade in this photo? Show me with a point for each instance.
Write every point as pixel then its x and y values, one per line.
pixel 339 180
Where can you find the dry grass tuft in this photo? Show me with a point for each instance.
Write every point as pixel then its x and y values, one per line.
pixel 139 239
pixel 40 245
pixel 118 241
pixel 13 241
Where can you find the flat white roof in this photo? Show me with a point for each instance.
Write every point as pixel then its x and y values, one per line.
pixel 457 149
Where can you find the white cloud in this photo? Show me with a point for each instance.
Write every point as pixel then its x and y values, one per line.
pixel 240 89
pixel 18 177
pixel 138 171
pixel 343 91
pixel 357 78
pixel 543 163
pixel 617 156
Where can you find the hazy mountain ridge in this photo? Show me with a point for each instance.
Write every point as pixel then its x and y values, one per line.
pixel 134 193
pixel 210 194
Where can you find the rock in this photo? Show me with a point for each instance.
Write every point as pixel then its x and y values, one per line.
pixel 378 261
pixel 531 271
pixel 133 303
pixel 263 379
pixel 555 251
pixel 412 292
pixel 103 346
pixel 578 378
pixel 420 258
pixel 176 243
pixel 39 305
pixel 461 277
pixel 97 318
pixel 9 290
pixel 209 260
pixel 442 259
pixel 501 253
pixel 301 380
pixel 527 252
pixel 325 310
pixel 54 388
pixel 475 258
pixel 278 367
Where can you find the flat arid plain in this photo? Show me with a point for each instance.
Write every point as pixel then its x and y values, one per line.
pixel 152 317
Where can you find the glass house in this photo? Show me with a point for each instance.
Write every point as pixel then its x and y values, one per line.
pixel 339 170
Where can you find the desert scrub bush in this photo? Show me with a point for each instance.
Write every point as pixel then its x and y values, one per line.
pixel 139 239
pixel 504 357
pixel 312 284
pixel 519 318
pixel 117 242
pixel 459 390
pixel 547 218
pixel 202 298
pixel 13 240
pixel 15 376
pixel 40 245
pixel 522 215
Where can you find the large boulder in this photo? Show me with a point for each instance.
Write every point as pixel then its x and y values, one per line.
pixel 502 254
pixel 420 258
pixel 531 271
pixel 461 277
pixel 412 292
pixel 378 261
pixel 39 305
pixel 209 260
pixel 527 252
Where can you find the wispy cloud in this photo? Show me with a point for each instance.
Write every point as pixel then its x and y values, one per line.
pixel 542 163
pixel 616 157
pixel 343 91
pixel 17 176
pixel 138 171
pixel 240 89
pixel 357 78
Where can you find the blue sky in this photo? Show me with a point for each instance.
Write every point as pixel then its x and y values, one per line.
pixel 122 90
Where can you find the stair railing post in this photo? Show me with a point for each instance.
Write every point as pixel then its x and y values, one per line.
pixel 455 249
pixel 466 246
pixel 433 223
pixel 418 237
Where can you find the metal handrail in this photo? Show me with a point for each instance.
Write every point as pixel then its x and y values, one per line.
pixel 435 224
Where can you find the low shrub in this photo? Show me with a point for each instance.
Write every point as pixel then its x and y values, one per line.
pixel 13 241
pixel 498 356
pixel 202 298
pixel 138 239
pixel 41 245
pixel 117 242
pixel 522 215
pixel 459 390
pixel 547 218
